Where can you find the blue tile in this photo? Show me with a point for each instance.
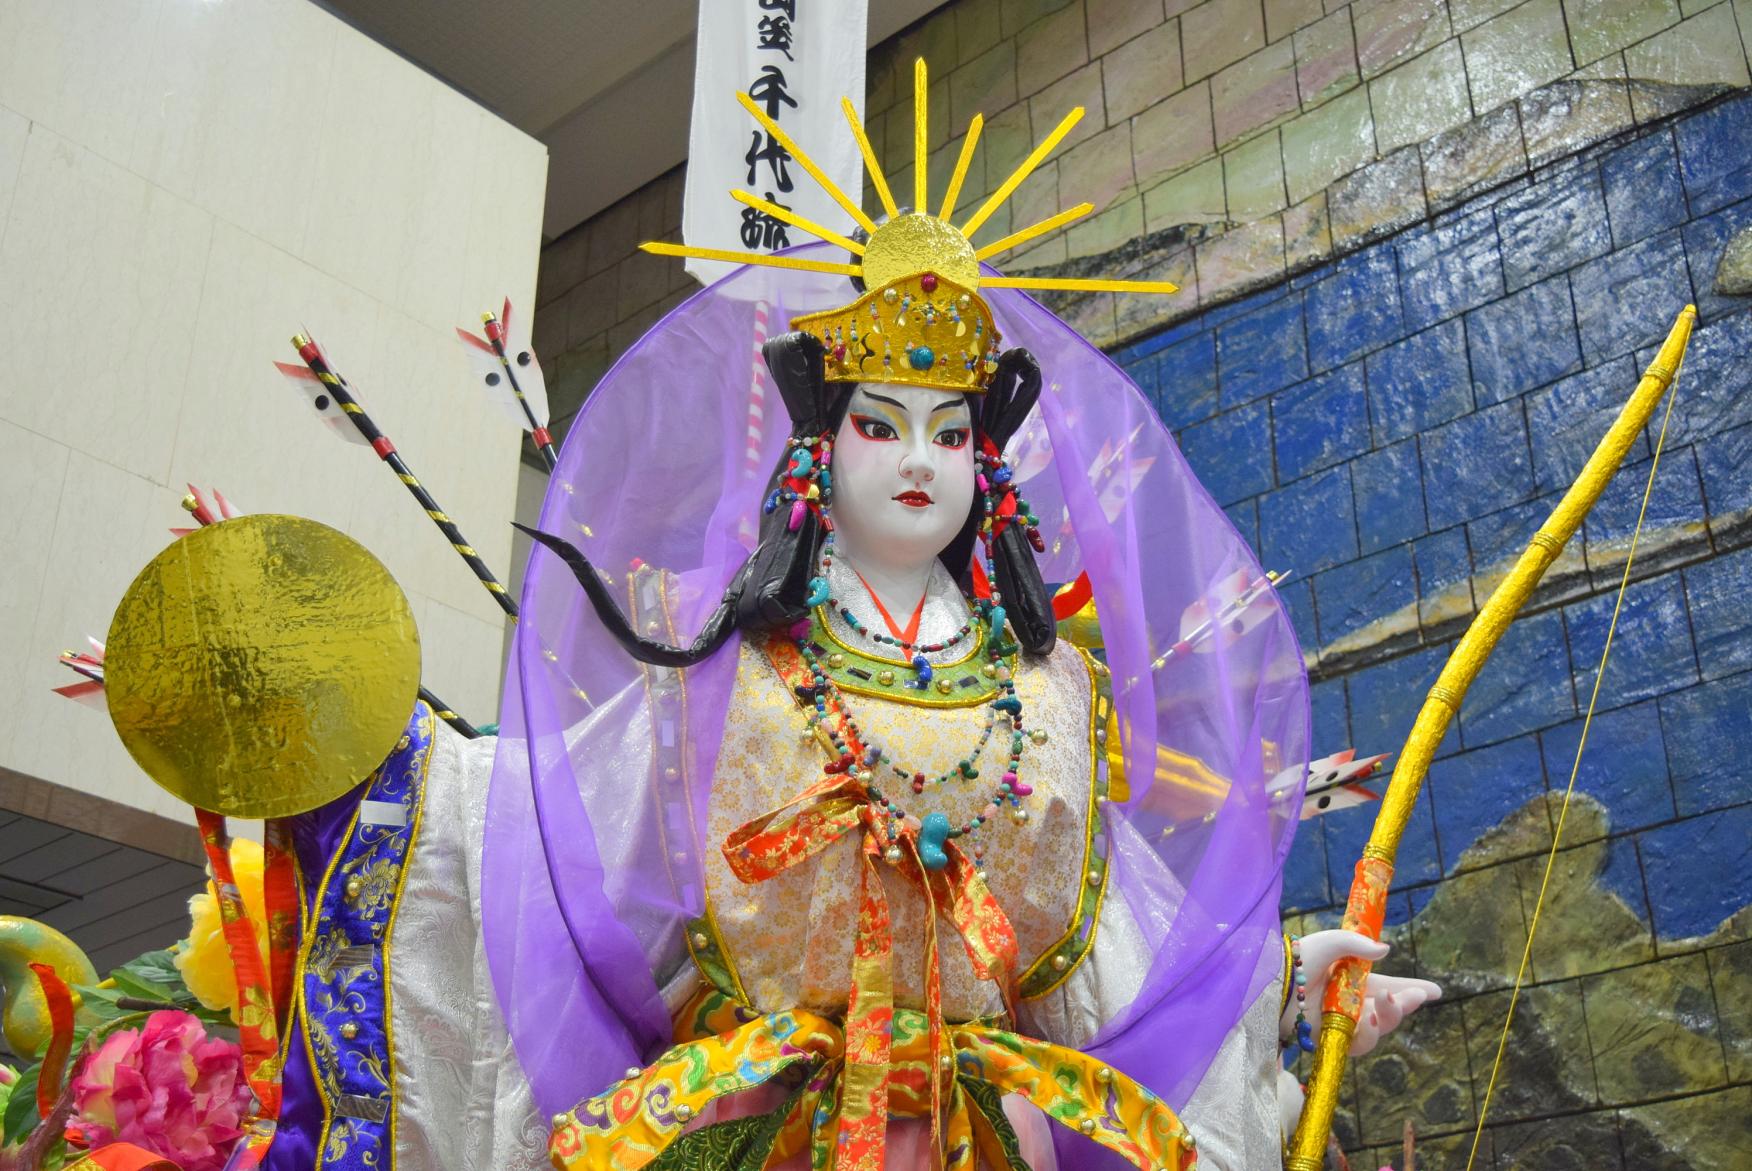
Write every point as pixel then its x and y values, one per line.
pixel 1186 380
pixel 1698 871
pixel 1419 382
pixel 1707 729
pixel 1675 512
pixel 1329 715
pixel 1298 600
pixel 1449 267
pixel 1388 483
pixel 1725 462
pixel 1630 298
pixel 1643 192
pixel 1385 698
pixel 1231 453
pixel 1715 155
pixel 1347 832
pixel 1477 464
pixel 1245 517
pixel 1310 524
pixel 1442 560
pixel 1567 421
pixel 1523 341
pixel 1320 422
pixel 1524 687
pixel 1553 225
pixel 1721 618
pixel 1354 310
pixel 1705 241
pixel 1241 306
pixel 1352 595
pixel 1473 792
pixel 1261 352
pixel 1624 766
pixel 1715 387
pixel 1305 884
pixel 1651 652
pixel 1142 372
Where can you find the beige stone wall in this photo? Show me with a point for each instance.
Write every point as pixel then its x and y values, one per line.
pixel 1225 143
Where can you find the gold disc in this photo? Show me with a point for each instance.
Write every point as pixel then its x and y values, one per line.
pixel 262 666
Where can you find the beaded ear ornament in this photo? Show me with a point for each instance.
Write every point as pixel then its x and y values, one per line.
pixel 808 487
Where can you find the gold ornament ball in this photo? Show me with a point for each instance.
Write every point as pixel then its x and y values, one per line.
pixel 262 666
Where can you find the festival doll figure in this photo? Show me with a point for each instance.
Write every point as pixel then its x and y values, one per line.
pixel 810 843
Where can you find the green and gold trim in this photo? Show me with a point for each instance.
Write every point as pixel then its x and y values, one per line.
pixel 964 682
pixel 712 958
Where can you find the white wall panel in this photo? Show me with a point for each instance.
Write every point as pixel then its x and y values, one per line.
pixel 184 185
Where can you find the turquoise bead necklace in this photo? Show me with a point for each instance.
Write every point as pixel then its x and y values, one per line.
pixel 825 701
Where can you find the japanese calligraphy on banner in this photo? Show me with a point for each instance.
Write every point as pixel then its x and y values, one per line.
pixel 796 59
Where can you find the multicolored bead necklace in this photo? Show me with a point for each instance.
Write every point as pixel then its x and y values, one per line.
pixel 809 487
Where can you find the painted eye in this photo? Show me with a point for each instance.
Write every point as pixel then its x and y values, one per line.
pixel 874 429
pixel 523 358
pixel 492 378
pixel 955 438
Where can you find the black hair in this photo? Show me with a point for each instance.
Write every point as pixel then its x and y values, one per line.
pixel 768 593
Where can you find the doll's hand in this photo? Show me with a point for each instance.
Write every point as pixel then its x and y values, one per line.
pixel 1387 1000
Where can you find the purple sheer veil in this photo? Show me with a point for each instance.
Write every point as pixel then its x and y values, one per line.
pixel 592 852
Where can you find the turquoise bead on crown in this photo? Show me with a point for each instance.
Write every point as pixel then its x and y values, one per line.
pixel 921 357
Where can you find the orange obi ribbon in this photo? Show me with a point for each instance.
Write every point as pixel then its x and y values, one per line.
pixel 642 1121
pixel 835 806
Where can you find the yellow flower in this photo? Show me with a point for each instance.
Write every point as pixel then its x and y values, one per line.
pixel 203 958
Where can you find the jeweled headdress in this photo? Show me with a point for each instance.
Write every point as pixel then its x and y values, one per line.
pixel 921 320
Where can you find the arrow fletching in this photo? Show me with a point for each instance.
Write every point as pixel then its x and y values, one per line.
pixel 495 376
pixel 311 389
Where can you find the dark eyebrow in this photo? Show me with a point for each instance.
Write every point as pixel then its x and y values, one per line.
pixel 948 406
pixel 895 403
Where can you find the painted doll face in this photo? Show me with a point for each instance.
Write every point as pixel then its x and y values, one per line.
pixel 902 473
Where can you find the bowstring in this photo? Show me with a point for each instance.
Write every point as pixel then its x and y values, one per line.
pixel 1575 769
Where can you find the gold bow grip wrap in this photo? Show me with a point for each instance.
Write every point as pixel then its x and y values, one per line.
pixel 1367 904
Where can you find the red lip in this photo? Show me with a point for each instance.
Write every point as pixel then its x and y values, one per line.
pixel 914 499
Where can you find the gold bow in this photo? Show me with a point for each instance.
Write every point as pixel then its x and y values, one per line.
pixel 1366 906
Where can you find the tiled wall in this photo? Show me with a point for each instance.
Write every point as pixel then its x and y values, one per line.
pixel 1227 143
pixel 1393 427
pixel 183 186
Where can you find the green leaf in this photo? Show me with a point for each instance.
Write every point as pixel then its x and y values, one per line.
pixel 21 1108
pixel 152 976
pixel 97 1004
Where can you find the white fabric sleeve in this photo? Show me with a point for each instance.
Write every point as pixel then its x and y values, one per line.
pixel 1233 1112
pixel 461 1098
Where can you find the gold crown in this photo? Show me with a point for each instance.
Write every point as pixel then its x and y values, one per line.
pixel 921 322
pixel 921 330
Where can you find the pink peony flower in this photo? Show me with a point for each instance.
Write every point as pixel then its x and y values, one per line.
pixel 166 1087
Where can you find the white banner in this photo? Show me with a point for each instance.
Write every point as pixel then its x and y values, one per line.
pixel 796 59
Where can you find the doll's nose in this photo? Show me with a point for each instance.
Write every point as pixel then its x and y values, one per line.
pixel 918 467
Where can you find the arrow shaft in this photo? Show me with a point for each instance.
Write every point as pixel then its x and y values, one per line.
pixel 380 443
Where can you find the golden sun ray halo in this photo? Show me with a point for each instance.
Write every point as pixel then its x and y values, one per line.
pixel 918 241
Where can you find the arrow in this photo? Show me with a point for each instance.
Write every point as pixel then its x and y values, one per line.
pixel 497 361
pixel 329 393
